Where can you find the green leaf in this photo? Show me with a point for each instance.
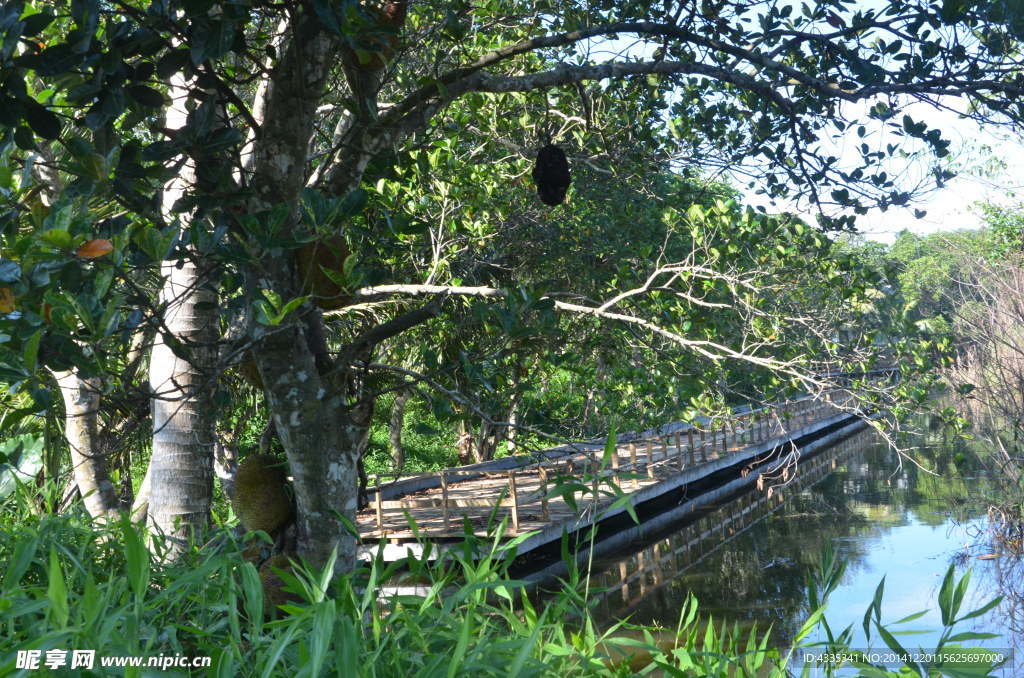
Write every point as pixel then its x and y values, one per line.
pixel 946 598
pixel 31 353
pixel 18 563
pixel 24 140
pixel 55 60
pixel 971 635
pixel 36 24
pixel 136 557
pixel 10 271
pixel 146 96
pixel 958 594
pixel 609 448
pixel 172 62
pixel 951 10
pixel 809 625
pixel 625 501
pixel 982 610
pixel 894 645
pixel 354 202
pixel 524 652
pixel 911 617
pixel 213 41
pixel 44 122
pixel 253 594
pixel 288 308
pixel 328 15
pixel 58 238
pixel 56 593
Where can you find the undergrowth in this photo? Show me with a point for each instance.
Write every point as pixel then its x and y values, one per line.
pixel 71 584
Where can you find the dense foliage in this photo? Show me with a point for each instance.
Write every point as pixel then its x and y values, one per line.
pixel 332 196
pixel 65 590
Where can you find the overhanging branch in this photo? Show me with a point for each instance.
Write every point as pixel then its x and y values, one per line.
pixel 708 349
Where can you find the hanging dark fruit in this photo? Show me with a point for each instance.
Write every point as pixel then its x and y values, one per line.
pixel 551 174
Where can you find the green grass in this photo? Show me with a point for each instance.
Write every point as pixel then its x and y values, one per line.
pixel 73 585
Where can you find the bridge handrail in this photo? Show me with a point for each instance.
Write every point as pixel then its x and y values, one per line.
pixel 800 410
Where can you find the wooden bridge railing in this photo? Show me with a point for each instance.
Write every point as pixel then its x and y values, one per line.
pixel 529 486
pixel 706 533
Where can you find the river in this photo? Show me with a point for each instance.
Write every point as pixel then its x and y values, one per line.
pixel 747 559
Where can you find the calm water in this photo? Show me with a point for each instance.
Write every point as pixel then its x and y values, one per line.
pixel 901 523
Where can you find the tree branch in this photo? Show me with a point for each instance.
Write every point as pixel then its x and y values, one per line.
pixel 708 349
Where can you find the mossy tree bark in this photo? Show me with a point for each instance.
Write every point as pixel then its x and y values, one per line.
pixel 315 404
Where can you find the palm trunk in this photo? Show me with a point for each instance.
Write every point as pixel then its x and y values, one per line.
pixel 88 464
pixel 180 377
pixel 181 469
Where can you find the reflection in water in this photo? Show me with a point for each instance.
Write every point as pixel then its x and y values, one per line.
pixel 747 560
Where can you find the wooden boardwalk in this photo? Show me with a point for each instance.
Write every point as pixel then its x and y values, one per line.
pixel 531 495
pixel 623 585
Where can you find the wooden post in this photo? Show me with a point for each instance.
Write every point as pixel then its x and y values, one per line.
pixel 544 510
pixel 377 500
pixel 658 573
pixel 664 449
pixel 632 464
pixel 689 440
pixel 515 499
pixel 725 440
pixel 650 459
pixel 679 449
pixel 624 578
pixel 615 460
pixel 444 498
pixel 593 472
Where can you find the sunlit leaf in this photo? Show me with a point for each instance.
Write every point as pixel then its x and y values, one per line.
pixel 6 300
pixel 96 247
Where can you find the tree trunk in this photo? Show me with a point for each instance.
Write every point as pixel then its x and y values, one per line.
pixel 88 464
pixel 140 507
pixel 181 375
pixel 322 426
pixel 225 464
pixel 395 427
pixel 181 470
pixel 512 433
pixel 487 442
pixel 464 441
